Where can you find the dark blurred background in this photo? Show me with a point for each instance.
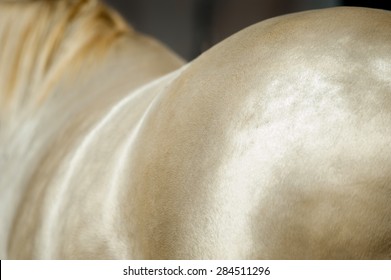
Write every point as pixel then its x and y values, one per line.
pixel 190 27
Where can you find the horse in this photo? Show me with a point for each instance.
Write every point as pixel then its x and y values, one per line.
pixel 273 144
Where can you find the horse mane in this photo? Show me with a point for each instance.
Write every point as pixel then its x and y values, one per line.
pixel 48 40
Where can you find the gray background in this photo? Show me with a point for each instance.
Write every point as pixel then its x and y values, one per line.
pixel 190 27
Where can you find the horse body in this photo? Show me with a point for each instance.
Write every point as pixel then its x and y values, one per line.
pixel 273 144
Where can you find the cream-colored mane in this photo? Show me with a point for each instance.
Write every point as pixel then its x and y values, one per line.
pixel 49 41
pixel 274 144
pixel 52 41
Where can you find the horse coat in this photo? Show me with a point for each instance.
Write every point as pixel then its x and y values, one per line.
pixel 274 144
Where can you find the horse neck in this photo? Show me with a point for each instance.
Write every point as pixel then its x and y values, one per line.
pixel 59 58
pixel 61 55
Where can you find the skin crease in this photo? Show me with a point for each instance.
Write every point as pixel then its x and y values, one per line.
pixel 274 144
